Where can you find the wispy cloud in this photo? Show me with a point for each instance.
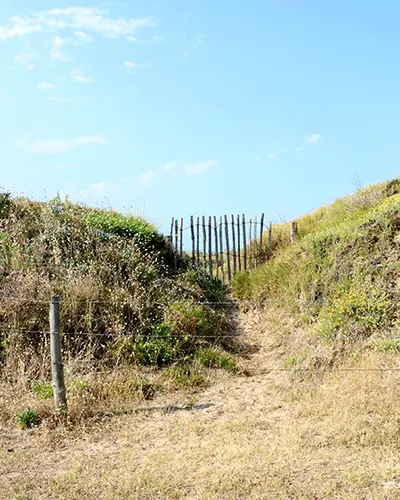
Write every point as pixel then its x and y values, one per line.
pixel 130 38
pixel 147 177
pixel 56 52
pixel 26 58
pixel 78 77
pixel 130 65
pixel 19 27
pixel 81 19
pixel 59 146
pixel 98 190
pixel 198 168
pixel 66 99
pixel 175 168
pixel 45 86
pixel 275 154
pixel 199 40
pixel 314 138
pixel 83 37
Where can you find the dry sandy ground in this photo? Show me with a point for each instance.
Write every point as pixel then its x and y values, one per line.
pixel 262 434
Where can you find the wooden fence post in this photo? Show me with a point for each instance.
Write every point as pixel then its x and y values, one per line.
pixel 238 242
pixel 193 242
pixel 57 369
pixel 210 263
pixel 171 241
pixel 261 238
pixel 221 244
pixel 255 241
pixel 198 242
pixel 181 245
pixel 244 243
pixel 270 239
pixel 216 245
pixel 203 220
pixel 250 236
pixel 228 255
pixel 176 243
pixel 233 243
pixel 293 231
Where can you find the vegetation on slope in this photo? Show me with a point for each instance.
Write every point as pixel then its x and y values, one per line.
pixel 121 301
pixel 341 276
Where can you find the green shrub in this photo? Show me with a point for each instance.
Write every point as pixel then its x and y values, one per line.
pixel 114 223
pixel 215 357
pixel 42 389
pixel 28 418
pixel 359 309
pixel 5 204
pixel 161 347
pixel 391 345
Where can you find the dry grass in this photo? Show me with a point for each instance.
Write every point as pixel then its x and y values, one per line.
pixel 274 434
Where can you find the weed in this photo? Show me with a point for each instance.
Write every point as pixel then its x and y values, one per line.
pixel 390 345
pixel 215 357
pixel 28 418
pixel 185 376
pixel 42 389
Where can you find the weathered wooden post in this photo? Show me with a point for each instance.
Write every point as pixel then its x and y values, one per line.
pixel 57 369
pixel 293 231
pixel 216 246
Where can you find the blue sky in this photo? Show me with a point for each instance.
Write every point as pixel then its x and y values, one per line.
pixel 209 107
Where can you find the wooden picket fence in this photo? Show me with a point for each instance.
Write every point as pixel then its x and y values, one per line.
pixel 221 249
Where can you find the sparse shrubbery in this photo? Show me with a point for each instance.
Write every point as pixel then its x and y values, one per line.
pixel 120 298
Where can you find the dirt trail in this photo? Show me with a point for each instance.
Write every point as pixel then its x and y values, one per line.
pixel 244 437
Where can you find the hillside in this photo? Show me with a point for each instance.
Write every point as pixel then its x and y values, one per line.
pixel 341 276
pixel 309 405
pixel 125 312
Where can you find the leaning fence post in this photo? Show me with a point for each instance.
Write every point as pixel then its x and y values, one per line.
pixel 57 369
pixel 293 231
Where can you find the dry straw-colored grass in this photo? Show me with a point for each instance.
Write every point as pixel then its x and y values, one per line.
pixel 263 434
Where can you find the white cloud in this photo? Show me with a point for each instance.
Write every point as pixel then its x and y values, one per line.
pixel 45 86
pixel 175 168
pixel 130 65
pixel 78 77
pixel 83 37
pixel 83 79
pixel 130 39
pixel 19 27
pixel 56 52
pixel 169 166
pixel 199 168
pixel 25 59
pixel 81 19
pixel 147 177
pixel 99 190
pixel 58 146
pixel 314 138
pixel 198 41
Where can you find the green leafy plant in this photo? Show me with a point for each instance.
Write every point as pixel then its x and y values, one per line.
pixel 42 389
pixel 28 418
pixel 215 357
